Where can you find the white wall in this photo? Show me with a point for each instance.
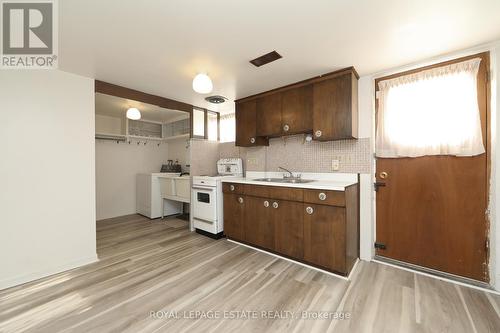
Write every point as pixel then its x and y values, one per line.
pixel 366 100
pixel 177 150
pixel 116 168
pixel 109 125
pixel 495 165
pixel 47 199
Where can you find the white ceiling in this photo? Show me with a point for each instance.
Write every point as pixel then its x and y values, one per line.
pixel 159 46
pixel 112 106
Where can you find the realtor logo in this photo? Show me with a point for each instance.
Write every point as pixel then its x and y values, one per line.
pixel 29 38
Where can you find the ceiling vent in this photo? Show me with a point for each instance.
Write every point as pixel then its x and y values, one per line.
pixel 216 99
pixel 265 59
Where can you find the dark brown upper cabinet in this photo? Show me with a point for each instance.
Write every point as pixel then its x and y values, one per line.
pixel 296 110
pixel 269 115
pixel 326 106
pixel 335 108
pixel 246 122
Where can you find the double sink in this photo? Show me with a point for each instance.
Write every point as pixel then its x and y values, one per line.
pixel 284 180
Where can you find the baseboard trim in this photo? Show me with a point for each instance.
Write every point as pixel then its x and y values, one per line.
pixel 347 278
pixel 30 277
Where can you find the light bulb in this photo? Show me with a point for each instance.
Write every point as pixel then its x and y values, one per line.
pixel 202 84
pixel 133 114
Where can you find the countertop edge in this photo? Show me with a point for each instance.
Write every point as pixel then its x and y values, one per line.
pixel 317 184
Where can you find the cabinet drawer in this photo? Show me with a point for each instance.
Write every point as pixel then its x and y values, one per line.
pixel 323 197
pixel 275 192
pixel 234 188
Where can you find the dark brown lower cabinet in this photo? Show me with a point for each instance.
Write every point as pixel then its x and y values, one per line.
pixel 233 216
pixel 289 228
pixel 324 236
pixel 318 227
pixel 258 222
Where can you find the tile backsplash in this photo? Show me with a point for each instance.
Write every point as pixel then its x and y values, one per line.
pixel 294 153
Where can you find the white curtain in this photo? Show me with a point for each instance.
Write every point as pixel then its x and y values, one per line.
pixel 432 112
pixel 227 128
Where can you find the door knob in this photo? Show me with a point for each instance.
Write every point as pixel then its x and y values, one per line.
pixel 384 175
pixel 266 203
pixel 318 133
pixel 231 187
pixel 322 196
pixel 309 210
pixel 286 128
pixel 252 140
pixel 275 205
pixel 240 200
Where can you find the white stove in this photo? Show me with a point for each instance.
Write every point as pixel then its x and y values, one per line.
pixel 206 197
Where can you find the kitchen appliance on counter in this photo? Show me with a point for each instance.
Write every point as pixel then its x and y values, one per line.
pixel 171 167
pixel 206 197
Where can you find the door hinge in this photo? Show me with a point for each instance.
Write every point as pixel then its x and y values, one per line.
pixel 376 185
pixel 380 246
pixel 487 244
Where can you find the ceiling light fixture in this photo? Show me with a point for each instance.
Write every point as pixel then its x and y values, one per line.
pixel 202 84
pixel 216 99
pixel 134 114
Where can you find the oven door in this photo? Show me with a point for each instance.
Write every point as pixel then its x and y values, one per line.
pixel 204 203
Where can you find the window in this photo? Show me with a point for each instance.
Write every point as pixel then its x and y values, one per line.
pixel 227 128
pixel 213 129
pixel 431 112
pixel 198 123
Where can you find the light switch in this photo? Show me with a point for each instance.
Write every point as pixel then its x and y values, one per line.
pixel 335 165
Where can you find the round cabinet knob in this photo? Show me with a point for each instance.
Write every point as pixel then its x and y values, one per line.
pixel 286 128
pixel 266 203
pixel 275 205
pixel 252 140
pixel 322 196
pixel 240 200
pixel 318 133
pixel 231 187
pixel 309 210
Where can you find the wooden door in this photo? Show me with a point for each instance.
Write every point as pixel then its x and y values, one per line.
pixel 233 215
pixel 335 108
pixel 246 122
pixel 258 224
pixel 432 210
pixel 269 115
pixel 289 228
pixel 296 110
pixel 324 236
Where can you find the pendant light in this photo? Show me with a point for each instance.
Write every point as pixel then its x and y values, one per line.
pixel 202 84
pixel 134 114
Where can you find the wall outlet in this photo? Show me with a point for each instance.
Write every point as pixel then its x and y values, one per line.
pixel 252 161
pixel 336 165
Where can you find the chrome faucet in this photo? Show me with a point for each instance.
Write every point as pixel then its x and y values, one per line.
pixel 289 172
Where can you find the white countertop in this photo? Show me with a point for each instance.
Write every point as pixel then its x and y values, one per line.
pixel 332 182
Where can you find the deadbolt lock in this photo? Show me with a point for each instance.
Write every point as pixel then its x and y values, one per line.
pixel 383 175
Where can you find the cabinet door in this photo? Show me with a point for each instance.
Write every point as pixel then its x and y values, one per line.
pixel 296 110
pixel 324 236
pixel 269 115
pixel 246 135
pixel 233 215
pixel 335 108
pixel 289 228
pixel 259 225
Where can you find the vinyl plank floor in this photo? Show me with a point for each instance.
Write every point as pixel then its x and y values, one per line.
pixel 157 276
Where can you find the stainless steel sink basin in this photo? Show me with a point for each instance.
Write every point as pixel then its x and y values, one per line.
pixel 284 180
